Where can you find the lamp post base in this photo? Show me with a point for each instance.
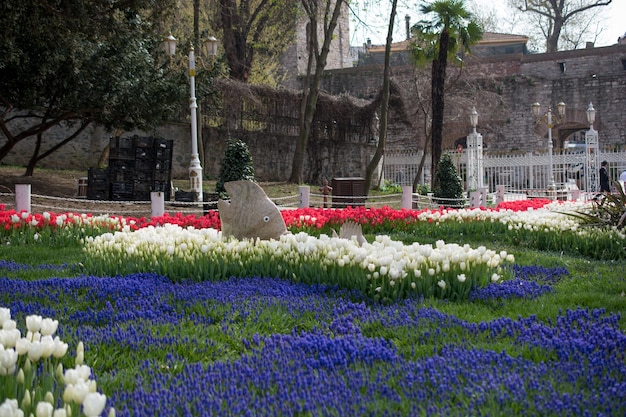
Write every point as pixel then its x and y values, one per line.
pixel 195 180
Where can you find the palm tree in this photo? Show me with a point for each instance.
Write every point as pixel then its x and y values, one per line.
pixel 450 29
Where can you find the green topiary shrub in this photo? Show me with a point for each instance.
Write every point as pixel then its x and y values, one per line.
pixel 236 165
pixel 449 189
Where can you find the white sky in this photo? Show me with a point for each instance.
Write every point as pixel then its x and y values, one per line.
pixel 613 18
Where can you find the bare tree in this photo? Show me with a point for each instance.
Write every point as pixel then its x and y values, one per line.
pixel 556 19
pixel 250 26
pixel 384 106
pixel 322 18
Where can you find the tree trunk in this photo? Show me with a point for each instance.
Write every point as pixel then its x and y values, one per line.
pixel 384 106
pixel 552 42
pixel 30 168
pixel 297 166
pixel 438 92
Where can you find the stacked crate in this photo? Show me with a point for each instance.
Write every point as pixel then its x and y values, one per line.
pixel 138 166
pixel 122 168
pixel 98 184
pixel 153 167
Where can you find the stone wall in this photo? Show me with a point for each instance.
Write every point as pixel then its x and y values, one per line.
pixel 271 155
pixel 503 89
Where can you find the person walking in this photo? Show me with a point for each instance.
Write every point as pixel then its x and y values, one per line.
pixel 605 187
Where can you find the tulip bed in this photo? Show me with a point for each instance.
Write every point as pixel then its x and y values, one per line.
pixel 270 343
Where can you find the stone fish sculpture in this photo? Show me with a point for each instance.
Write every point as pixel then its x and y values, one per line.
pixel 250 214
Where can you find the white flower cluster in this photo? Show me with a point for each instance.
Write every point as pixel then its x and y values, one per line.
pixel 384 262
pixel 40 344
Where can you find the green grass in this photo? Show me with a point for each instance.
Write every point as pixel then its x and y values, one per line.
pixel 592 284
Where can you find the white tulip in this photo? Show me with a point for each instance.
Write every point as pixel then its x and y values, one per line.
pixel 59 412
pixel 9 408
pixel 5 314
pixel 35 350
pixel 49 326
pixel 44 409
pixel 33 323
pixel 80 391
pixel 94 404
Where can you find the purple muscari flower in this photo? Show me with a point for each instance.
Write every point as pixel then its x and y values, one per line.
pixel 350 363
pixel 529 282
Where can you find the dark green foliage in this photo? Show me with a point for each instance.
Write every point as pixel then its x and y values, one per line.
pixel 236 165
pixel 609 210
pixel 449 187
pixel 75 63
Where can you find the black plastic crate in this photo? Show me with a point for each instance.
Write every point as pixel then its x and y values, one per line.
pixel 163 143
pixel 143 175
pixel 122 175
pixel 144 153
pixel 121 165
pixel 121 196
pixel 163 154
pixel 139 186
pixel 141 196
pixel 121 154
pixel 163 186
pixel 162 165
pixel 123 143
pixel 161 176
pixel 98 177
pixel 98 193
pixel 122 187
pixel 144 165
pixel 143 141
pixel 185 196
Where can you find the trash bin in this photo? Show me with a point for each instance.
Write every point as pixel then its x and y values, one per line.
pixel 82 186
pixel 348 191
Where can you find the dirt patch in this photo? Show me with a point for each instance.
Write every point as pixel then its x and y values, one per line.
pixel 59 183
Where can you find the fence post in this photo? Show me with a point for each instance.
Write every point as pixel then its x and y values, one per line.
pixel 157 202
pixel 407 197
pixel 304 193
pixel 499 194
pixel 22 197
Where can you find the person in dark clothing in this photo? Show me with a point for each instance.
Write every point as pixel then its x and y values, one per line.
pixel 604 178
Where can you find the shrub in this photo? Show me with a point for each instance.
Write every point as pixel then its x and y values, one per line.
pixel 449 188
pixel 236 165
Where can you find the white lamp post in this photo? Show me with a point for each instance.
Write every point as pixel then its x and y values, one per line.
pixel 591 153
pixel 536 107
pixel 195 168
pixel 474 155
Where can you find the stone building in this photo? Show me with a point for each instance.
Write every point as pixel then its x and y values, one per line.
pixel 502 81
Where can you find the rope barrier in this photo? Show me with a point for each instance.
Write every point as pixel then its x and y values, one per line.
pixel 417 201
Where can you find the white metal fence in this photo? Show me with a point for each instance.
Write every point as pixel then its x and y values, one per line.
pixel 516 171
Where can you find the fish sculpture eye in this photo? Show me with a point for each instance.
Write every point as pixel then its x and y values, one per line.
pixel 266 219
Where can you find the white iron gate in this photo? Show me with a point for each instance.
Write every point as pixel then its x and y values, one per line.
pixel 516 171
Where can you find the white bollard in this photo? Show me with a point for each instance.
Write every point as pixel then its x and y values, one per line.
pixel 157 202
pixel 22 197
pixel 407 197
pixel 304 194
pixel 484 192
pixel 474 199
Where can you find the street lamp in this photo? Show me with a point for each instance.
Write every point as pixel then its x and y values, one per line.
pixel 195 168
pixel 591 153
pixel 474 154
pixel 536 107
